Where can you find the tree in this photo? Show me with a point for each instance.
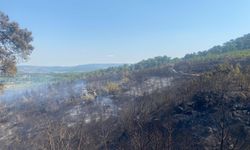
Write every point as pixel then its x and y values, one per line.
pixel 15 45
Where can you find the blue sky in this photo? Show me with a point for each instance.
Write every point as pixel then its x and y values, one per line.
pixel 73 32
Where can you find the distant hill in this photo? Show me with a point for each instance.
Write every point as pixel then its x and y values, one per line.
pixel 64 69
pixel 238 48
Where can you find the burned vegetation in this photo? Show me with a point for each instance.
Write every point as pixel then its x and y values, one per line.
pixel 201 101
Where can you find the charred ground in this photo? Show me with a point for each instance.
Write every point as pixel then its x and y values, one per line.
pixel 198 102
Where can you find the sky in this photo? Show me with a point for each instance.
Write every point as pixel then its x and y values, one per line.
pixel 75 32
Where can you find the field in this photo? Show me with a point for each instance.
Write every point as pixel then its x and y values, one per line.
pixel 26 80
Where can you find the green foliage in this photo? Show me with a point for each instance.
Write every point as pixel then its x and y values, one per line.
pixel 215 56
pixel 121 71
pixel 153 62
pixel 233 48
pixel 15 44
pixel 238 48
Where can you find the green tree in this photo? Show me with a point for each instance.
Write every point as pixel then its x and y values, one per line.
pixel 15 45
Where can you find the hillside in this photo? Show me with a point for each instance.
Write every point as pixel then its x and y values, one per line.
pixel 232 50
pixel 201 101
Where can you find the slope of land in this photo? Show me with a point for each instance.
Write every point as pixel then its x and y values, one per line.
pixel 201 101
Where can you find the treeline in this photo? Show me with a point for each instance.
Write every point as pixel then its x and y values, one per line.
pixel 234 48
pixel 238 48
pixel 142 65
